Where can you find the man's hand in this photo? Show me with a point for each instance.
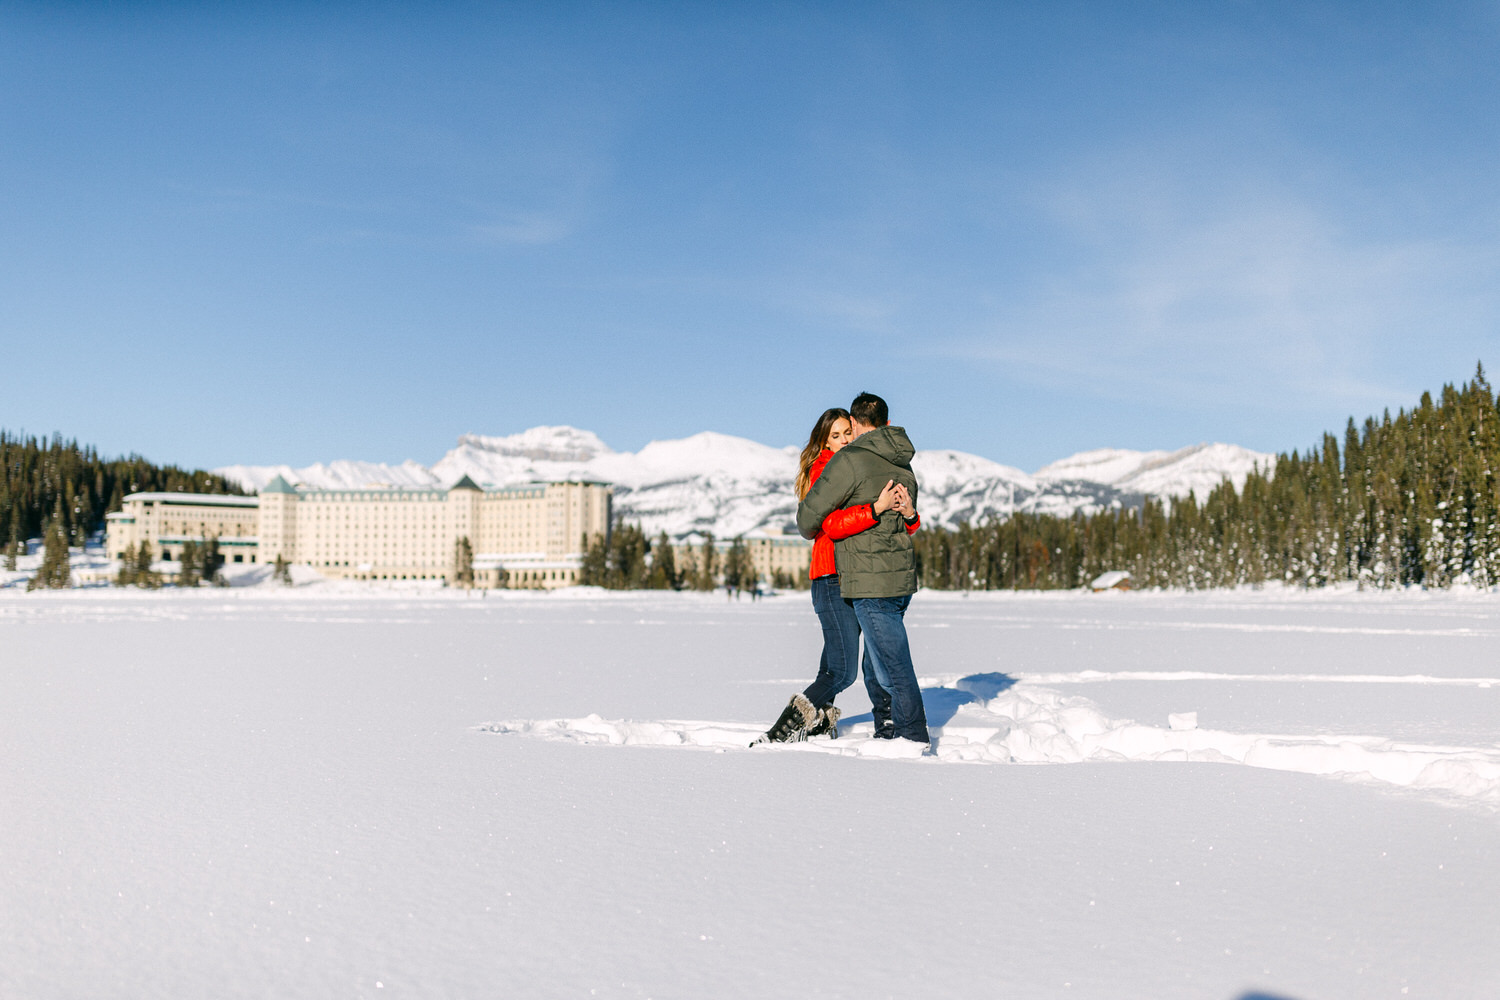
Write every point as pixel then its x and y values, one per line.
pixel 903 504
pixel 888 497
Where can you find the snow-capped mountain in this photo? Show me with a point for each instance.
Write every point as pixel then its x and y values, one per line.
pixel 707 482
pixel 729 485
pixel 553 444
pixel 340 475
pixel 1197 468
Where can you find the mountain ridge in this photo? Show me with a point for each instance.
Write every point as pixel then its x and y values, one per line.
pixel 731 485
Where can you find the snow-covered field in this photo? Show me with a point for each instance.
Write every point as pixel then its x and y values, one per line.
pixel 333 791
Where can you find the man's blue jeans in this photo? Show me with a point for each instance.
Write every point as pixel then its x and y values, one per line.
pixel 883 620
pixel 840 661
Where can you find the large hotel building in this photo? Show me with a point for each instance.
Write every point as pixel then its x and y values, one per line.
pixel 530 536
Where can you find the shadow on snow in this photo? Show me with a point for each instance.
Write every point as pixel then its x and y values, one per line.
pixel 942 703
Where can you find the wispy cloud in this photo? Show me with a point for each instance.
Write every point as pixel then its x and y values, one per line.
pixel 1238 296
pixel 525 229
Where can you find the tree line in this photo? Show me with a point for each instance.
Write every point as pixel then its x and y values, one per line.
pixel 628 560
pixel 61 491
pixel 1402 500
pixel 195 563
pixel 51 481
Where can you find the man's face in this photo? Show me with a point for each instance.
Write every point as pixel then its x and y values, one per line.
pixel 861 429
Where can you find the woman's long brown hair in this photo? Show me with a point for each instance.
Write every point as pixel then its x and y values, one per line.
pixel 816 442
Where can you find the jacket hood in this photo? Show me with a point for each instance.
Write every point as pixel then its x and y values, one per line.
pixel 890 443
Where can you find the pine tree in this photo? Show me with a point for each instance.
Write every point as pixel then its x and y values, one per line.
pixel 126 575
pixel 13 547
pixel 54 572
pixel 145 576
pixel 737 569
pixel 135 568
pixel 663 574
pixel 595 569
pixel 463 562
pixel 213 561
pixel 191 562
pixel 282 570
pixel 706 577
pixel 627 558
pixel 749 576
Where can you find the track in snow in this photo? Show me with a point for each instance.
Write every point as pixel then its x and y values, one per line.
pixel 997 719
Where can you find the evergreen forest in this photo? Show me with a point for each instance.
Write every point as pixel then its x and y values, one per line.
pixel 46 483
pixel 1400 500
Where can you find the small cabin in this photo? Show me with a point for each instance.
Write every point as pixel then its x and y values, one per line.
pixel 1115 579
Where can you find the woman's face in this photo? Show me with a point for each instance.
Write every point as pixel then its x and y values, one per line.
pixel 840 434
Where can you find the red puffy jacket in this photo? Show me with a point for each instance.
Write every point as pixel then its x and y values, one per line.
pixel 839 524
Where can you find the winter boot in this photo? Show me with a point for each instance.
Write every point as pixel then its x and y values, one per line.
pixel 880 714
pixel 795 721
pixel 827 722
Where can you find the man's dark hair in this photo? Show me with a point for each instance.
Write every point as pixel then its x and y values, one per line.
pixel 870 410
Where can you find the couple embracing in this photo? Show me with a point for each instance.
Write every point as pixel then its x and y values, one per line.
pixel 857 501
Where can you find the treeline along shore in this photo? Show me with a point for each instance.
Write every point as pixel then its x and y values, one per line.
pixel 1405 499
pixel 45 483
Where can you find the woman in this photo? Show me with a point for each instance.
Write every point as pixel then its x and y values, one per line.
pixel 812 713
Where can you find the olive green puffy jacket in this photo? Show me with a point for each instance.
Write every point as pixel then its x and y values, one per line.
pixel 879 562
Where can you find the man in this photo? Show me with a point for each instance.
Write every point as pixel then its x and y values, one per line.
pixel 878 567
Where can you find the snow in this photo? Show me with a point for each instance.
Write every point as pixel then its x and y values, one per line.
pixel 731 485
pixel 1195 469
pixel 345 789
pixel 558 444
pixel 1099 465
pixel 222 501
pixel 1113 578
pixel 1000 721
pixel 89 566
pixel 954 487
pixel 340 475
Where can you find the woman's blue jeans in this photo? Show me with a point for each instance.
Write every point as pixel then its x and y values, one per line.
pixel 840 662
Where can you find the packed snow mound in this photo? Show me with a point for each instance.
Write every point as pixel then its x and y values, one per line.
pixel 996 719
pixel 727 485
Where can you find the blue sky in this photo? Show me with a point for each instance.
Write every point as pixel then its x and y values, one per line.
pixel 298 232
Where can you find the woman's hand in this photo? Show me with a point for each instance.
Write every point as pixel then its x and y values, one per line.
pixel 903 504
pixel 888 497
